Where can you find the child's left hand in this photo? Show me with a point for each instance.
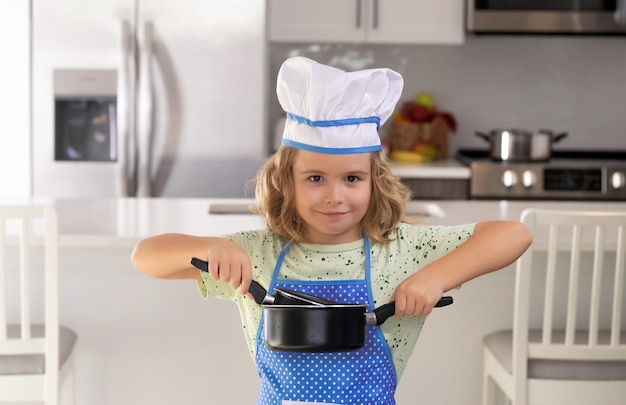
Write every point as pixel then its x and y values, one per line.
pixel 418 294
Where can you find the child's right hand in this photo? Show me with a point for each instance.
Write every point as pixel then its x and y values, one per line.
pixel 229 262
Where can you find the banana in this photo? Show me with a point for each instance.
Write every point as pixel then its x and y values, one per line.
pixel 406 156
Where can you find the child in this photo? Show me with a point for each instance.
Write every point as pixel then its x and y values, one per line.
pixel 335 229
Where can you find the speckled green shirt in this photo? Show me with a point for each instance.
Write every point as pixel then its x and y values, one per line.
pixel 413 247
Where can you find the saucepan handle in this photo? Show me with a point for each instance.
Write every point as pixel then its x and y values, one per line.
pixel 385 311
pixel 559 136
pixel 255 289
pixel 200 264
pixel 444 301
pixel 554 137
pixel 486 137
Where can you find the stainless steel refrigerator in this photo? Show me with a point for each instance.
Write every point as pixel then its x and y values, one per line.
pixel 147 97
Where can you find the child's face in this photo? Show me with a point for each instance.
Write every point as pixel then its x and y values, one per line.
pixel 332 193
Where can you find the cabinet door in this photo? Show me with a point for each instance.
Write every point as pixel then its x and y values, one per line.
pixel 415 21
pixel 369 21
pixel 319 20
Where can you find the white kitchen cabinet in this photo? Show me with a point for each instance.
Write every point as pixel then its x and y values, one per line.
pixel 366 21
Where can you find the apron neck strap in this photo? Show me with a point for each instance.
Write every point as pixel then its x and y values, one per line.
pixel 285 248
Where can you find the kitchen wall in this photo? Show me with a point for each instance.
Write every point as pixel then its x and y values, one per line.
pixel 575 84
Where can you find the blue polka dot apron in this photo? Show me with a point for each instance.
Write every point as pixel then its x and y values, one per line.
pixel 365 376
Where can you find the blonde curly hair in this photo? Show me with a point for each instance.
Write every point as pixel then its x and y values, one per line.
pixel 276 199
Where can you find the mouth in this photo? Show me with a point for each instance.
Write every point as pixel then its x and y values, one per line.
pixel 333 214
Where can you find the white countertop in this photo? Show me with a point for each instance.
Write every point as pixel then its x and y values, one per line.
pixel 438 169
pixel 125 221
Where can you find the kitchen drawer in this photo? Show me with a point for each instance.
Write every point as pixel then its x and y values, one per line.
pixel 438 189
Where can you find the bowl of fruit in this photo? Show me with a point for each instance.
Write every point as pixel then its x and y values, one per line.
pixel 419 131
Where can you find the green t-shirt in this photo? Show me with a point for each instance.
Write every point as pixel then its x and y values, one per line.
pixel 413 247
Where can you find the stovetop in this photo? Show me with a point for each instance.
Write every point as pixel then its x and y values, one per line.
pixel 468 156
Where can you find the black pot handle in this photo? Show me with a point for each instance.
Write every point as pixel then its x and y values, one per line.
pixel 444 301
pixel 200 264
pixel 384 311
pixel 255 289
pixel 555 137
pixel 258 292
pixel 389 309
pixel 560 136
pixel 484 136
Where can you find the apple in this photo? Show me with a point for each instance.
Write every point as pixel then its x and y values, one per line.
pixel 420 113
pixel 450 120
pixel 406 109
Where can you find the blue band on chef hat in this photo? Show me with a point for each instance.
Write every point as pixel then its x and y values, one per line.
pixel 334 123
pixel 331 151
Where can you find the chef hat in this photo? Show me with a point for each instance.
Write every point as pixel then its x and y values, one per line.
pixel 332 111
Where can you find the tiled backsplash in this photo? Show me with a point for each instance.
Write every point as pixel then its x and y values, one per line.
pixel 575 84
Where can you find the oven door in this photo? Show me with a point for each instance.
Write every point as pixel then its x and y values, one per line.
pixel 547 16
pixel 536 181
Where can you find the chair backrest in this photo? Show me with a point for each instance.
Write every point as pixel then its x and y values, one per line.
pixel 26 230
pixel 573 275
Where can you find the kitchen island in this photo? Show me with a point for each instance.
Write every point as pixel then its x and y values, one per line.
pixel 143 340
pixel 125 221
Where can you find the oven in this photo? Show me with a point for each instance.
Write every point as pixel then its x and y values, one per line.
pixel 567 175
pixel 547 16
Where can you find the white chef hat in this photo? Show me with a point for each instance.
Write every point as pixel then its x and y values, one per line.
pixel 332 111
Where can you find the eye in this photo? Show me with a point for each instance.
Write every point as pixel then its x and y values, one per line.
pixel 315 179
pixel 352 179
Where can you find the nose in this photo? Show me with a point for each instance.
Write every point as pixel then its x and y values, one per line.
pixel 334 194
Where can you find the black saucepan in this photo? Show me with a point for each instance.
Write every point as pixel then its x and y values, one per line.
pixel 319 327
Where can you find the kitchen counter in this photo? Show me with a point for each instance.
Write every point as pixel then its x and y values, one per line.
pixel 439 169
pixel 125 221
pixel 146 340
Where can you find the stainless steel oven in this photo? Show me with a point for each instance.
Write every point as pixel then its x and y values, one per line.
pixel 568 175
pixel 547 16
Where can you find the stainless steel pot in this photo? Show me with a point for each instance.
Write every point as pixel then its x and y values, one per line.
pixel 519 145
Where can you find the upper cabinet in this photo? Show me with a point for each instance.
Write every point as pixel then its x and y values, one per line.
pixel 366 21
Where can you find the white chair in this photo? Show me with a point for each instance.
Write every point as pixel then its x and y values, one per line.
pixel 568 341
pixel 35 357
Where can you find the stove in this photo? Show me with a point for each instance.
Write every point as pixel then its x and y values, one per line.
pixel 568 175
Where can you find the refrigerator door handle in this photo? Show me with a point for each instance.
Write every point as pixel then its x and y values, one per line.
pixel 145 114
pixel 620 12
pixel 125 113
